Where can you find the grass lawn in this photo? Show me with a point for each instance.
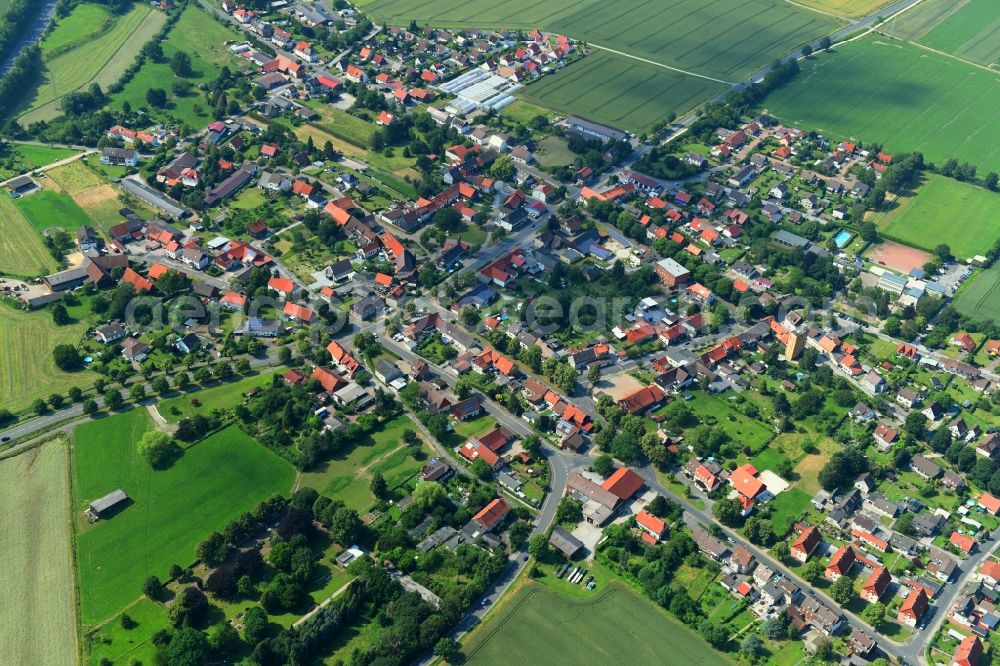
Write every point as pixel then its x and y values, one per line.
pixel 724 40
pixel 248 199
pixel 619 91
pixel 395 164
pixel 203 38
pixel 100 59
pixel 171 511
pixel 913 100
pixel 220 396
pixel 928 218
pixel 47 209
pixel 39 610
pixel 122 646
pixel 524 112
pixel 980 299
pixel 966 29
pixel 342 124
pixel 787 507
pixel 554 151
pixel 18 159
pixel 770 458
pixel 717 412
pixel 75 177
pixel 22 251
pixel 347 477
pixel 27 371
pixel 539 625
pixel 310 256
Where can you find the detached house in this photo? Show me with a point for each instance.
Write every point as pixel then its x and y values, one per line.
pixel 809 539
pixel 913 608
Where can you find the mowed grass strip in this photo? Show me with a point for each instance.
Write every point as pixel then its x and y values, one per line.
pixel 47 209
pixel 22 251
pixel 617 626
pixel 980 297
pixel 172 510
pixel 78 67
pixel 715 38
pixel 945 210
pixel 619 91
pixel 38 610
pixel 912 100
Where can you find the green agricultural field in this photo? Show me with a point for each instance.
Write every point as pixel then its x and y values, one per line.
pixel 847 8
pixel 48 209
pixel 203 38
pixel 913 100
pixel 719 39
pixel 222 396
pixel 27 371
pixel 102 59
pixel 539 625
pixel 172 510
pixel 980 297
pixel 964 28
pixel 38 611
pixel 22 251
pixel 16 159
pixel 619 91
pixel 945 210
pixel 347 477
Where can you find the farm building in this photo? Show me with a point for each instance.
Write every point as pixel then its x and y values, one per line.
pixel 100 508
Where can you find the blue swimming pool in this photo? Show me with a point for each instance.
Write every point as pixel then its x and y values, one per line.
pixel 842 238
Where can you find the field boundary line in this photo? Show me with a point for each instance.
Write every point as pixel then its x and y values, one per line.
pixel 985 68
pixel 659 64
pixel 817 10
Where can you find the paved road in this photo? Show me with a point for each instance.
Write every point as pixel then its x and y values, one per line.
pixel 46 12
pixel 74 412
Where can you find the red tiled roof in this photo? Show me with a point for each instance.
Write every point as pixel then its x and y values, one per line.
pixel 328 380
pixel 642 399
pixel 745 480
pixel 492 514
pixel 623 483
pixel 281 284
pixel 963 541
pixel 650 522
pixel 157 271
pixel 299 312
pixel 990 503
pixel 915 604
pixel 140 283
pixel 969 652
pixel 842 560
